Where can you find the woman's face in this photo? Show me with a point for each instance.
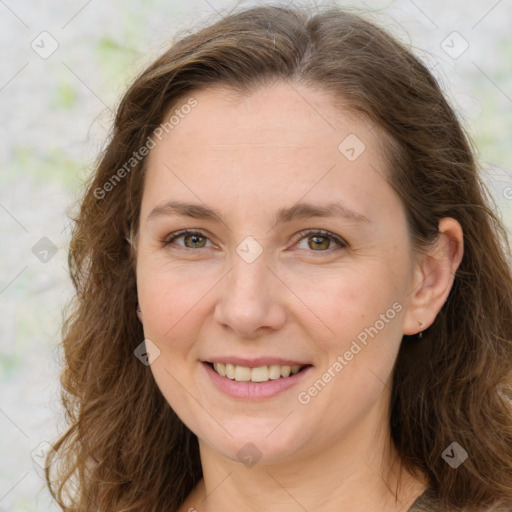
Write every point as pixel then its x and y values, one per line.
pixel 261 283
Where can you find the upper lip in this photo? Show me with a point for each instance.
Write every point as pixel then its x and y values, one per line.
pixel 256 362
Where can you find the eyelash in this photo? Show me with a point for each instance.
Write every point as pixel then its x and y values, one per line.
pixel 302 235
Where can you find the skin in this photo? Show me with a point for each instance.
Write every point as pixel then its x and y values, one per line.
pixel 247 156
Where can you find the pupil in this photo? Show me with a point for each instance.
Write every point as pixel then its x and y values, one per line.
pixel 319 244
pixel 195 239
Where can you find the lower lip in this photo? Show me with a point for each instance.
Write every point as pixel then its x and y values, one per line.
pixel 255 390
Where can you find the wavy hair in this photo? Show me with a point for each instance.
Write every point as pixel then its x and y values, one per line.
pixel 125 448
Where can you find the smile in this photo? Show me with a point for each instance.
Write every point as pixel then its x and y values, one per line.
pixel 258 374
pixel 270 380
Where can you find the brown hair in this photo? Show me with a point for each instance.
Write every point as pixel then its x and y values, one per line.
pixel 125 448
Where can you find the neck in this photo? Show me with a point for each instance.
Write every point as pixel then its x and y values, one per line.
pixel 360 472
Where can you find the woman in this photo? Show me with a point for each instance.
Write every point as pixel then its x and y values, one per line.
pixel 291 292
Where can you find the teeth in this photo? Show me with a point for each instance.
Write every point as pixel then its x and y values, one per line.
pixel 230 371
pixel 274 371
pixel 259 374
pixel 285 371
pixel 242 373
pixel 220 368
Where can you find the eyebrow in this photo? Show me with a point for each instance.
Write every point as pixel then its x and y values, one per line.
pixel 295 212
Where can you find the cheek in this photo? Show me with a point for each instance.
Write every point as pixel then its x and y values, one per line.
pixel 360 309
pixel 173 305
pixel 348 298
pixel 364 312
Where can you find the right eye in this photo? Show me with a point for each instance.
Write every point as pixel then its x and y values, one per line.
pixel 192 239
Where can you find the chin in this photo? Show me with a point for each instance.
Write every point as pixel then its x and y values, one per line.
pixel 257 443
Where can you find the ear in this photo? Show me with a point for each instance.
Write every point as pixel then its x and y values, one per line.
pixel 139 313
pixel 434 275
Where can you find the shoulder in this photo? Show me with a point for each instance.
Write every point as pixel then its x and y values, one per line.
pixel 429 502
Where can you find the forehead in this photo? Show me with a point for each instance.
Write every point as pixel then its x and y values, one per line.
pixel 281 141
pixel 277 114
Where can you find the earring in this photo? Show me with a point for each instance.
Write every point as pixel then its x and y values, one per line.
pixel 420 335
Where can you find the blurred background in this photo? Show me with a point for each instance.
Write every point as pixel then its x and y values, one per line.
pixel 63 68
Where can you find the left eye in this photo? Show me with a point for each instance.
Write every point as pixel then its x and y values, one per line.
pixel 321 239
pixel 196 238
pixel 317 240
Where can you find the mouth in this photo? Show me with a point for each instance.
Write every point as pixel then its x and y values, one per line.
pixel 257 374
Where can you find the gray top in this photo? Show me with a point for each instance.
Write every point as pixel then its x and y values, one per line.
pixel 425 503
pixel 428 502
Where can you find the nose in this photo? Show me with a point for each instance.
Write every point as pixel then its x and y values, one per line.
pixel 249 304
